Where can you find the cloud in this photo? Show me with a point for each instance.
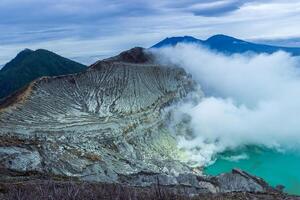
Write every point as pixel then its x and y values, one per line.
pixel 215 8
pixel 32 23
pixel 250 100
pixel 290 42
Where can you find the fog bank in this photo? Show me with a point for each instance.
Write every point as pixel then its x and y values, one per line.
pixel 251 99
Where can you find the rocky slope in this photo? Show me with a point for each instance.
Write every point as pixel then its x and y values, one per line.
pixel 107 124
pixel 29 65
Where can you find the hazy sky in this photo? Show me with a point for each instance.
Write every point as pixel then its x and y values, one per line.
pixel 87 30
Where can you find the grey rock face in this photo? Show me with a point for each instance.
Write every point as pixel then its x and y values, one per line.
pixel 20 159
pixel 106 125
pixel 100 123
pixel 240 181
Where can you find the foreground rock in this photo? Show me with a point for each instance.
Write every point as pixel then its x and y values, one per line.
pixel 106 125
pixel 70 190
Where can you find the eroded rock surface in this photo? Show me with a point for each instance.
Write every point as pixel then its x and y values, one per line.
pixel 97 124
pixel 20 159
pixel 106 125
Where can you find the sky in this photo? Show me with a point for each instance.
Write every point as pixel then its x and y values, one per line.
pixel 89 30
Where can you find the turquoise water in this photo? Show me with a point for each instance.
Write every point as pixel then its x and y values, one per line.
pixel 273 166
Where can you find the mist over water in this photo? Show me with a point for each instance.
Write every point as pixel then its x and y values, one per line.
pixel 250 99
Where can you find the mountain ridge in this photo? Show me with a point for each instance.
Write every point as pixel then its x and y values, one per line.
pixel 109 124
pixel 29 65
pixel 226 44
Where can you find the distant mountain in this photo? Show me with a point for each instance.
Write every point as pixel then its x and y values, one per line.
pixel 29 65
pixel 172 41
pixel 227 45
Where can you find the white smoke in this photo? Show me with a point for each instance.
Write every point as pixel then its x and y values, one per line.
pixel 251 99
